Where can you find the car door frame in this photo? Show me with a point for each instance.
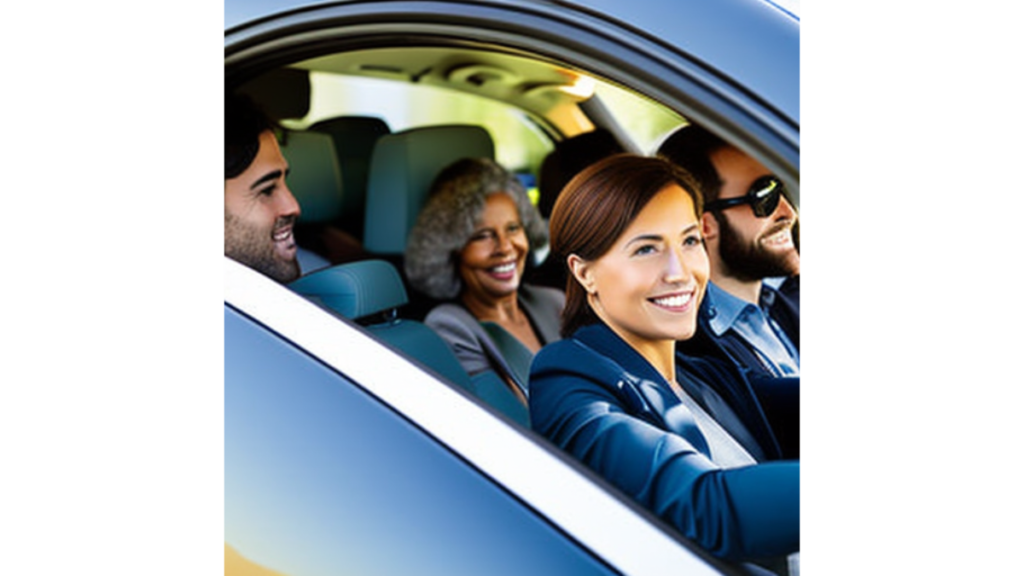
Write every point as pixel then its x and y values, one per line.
pixel 678 79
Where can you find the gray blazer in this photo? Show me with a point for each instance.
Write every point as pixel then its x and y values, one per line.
pixel 482 346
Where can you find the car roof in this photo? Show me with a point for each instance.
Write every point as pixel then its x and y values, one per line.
pixel 764 58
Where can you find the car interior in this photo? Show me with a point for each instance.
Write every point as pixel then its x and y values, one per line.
pixel 367 131
pixel 368 124
pixel 371 293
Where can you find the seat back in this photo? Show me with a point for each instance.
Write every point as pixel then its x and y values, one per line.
pixel 402 168
pixel 356 290
pixel 315 181
pixel 314 177
pixel 370 292
pixel 568 159
pixel 490 388
pixel 354 139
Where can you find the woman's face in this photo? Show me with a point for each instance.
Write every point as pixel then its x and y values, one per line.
pixel 648 286
pixel 492 261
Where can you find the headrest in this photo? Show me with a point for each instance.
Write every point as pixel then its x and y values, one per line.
pixel 569 158
pixel 283 93
pixel 356 289
pixel 315 178
pixel 403 167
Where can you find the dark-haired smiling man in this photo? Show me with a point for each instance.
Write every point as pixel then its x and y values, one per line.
pixel 748 231
pixel 748 227
pixel 259 209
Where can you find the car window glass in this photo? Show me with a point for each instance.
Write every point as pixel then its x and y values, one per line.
pixel 519 142
pixel 322 479
pixel 646 121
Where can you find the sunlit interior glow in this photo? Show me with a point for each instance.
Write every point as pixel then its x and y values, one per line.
pixel 582 87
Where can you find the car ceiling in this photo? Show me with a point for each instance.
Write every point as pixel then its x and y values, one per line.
pixel 539 87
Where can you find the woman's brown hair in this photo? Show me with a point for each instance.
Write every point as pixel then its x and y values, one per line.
pixel 597 206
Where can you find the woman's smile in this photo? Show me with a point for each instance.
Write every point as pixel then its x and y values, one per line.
pixel 506 271
pixel 678 302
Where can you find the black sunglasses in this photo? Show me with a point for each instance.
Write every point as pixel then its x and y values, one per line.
pixel 763 197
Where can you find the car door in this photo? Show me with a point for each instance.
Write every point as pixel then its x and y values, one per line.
pixel 343 457
pixel 338 451
pixel 320 478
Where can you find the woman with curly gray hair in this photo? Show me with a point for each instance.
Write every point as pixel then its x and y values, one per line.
pixel 469 247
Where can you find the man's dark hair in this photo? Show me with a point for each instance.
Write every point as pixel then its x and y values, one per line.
pixel 244 121
pixel 691 147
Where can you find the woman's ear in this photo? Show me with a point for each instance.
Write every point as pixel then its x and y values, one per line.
pixel 582 272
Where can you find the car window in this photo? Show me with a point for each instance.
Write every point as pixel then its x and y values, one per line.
pixel 320 478
pixel 646 121
pixel 316 472
pixel 519 143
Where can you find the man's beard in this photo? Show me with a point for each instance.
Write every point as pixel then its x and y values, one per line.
pixel 255 248
pixel 752 261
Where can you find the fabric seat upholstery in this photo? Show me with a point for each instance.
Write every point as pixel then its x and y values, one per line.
pixel 354 139
pixel 315 181
pixel 314 177
pixel 371 292
pixel 402 169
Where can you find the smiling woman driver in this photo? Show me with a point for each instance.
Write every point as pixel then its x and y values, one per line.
pixel 613 394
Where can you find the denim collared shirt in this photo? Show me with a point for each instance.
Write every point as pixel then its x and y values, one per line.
pixel 752 323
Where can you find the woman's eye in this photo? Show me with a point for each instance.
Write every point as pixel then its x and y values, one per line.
pixel 513 228
pixel 693 240
pixel 481 235
pixel 645 249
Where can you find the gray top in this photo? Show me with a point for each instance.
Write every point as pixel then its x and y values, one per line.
pixel 482 346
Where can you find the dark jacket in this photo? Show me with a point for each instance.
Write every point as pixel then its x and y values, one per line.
pixel 782 306
pixel 777 399
pixel 595 397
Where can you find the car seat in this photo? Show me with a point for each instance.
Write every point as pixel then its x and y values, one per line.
pixel 315 181
pixel 354 139
pixel 315 178
pixel 370 292
pixel 402 168
pixel 568 159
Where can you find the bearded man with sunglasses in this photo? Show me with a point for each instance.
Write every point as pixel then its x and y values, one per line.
pixel 751 313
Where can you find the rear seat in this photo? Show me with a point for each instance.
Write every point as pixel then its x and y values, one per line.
pixel 316 181
pixel 402 169
pixel 354 139
pixel 403 166
pixel 370 292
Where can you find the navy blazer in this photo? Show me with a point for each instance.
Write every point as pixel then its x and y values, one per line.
pixel 595 397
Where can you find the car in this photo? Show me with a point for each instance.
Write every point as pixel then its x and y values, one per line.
pixel 350 451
